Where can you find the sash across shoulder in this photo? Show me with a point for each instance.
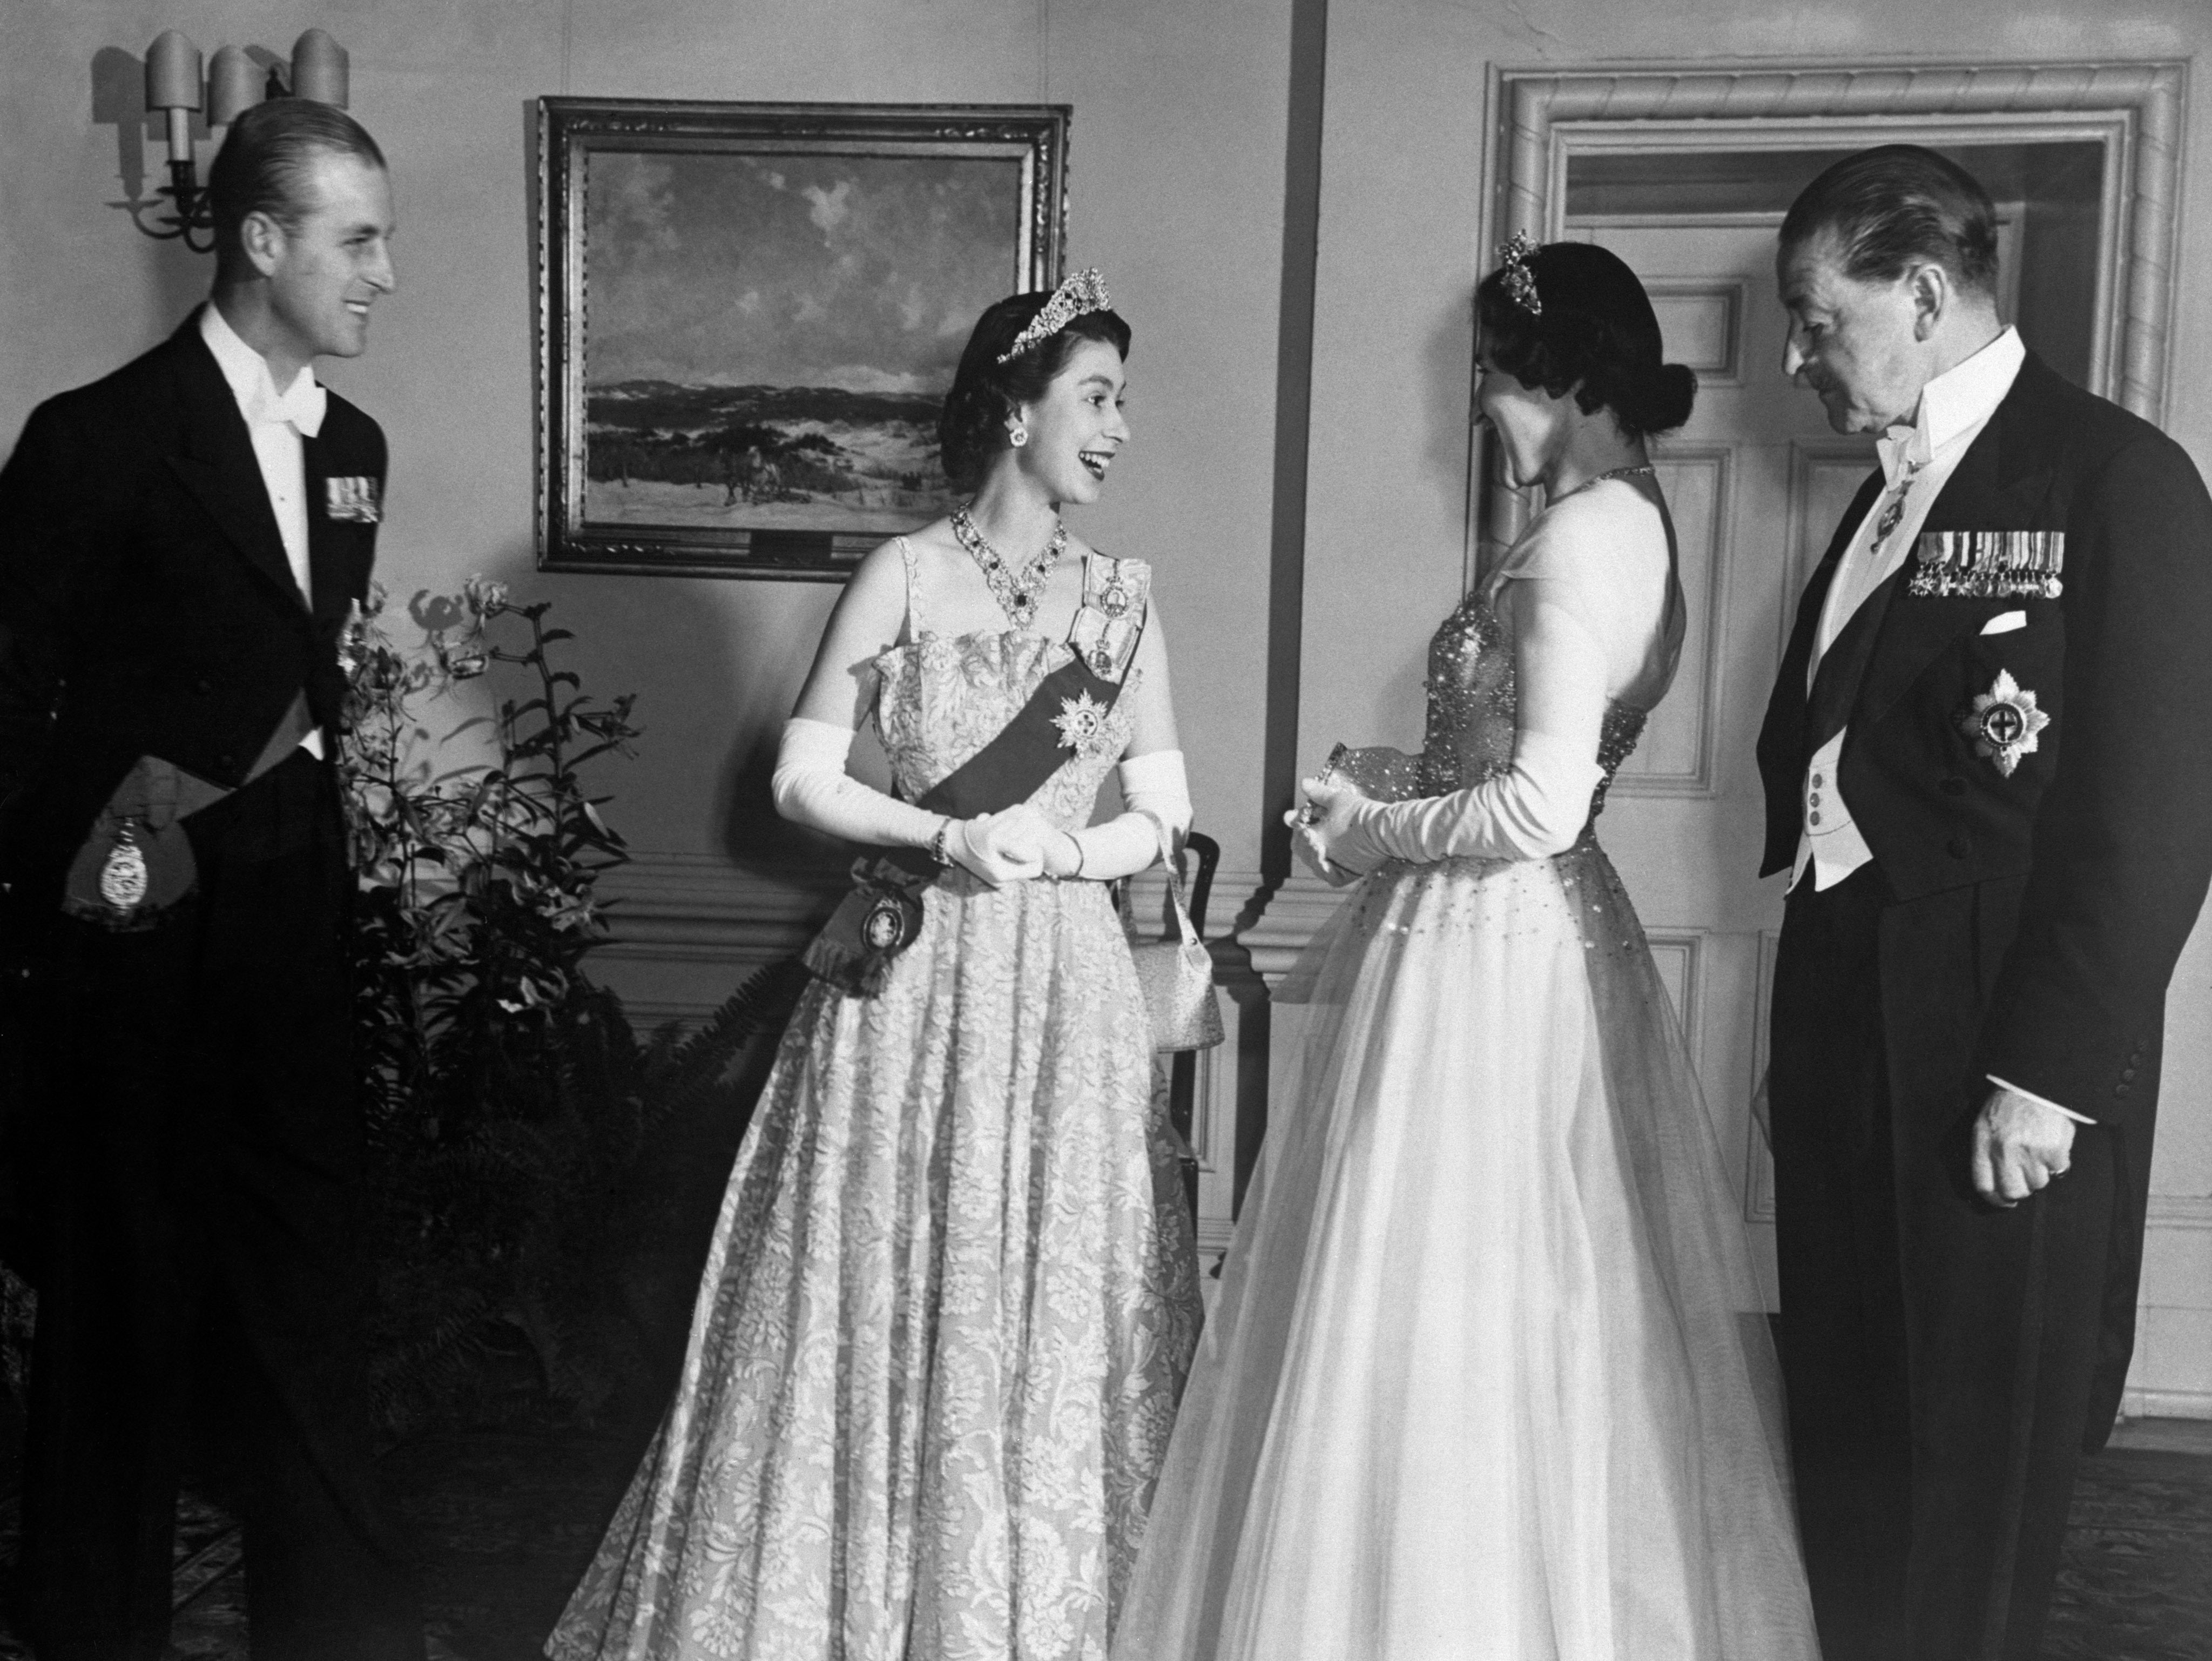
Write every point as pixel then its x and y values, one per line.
pixel 882 915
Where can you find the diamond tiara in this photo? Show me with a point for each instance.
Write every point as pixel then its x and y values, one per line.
pixel 1520 281
pixel 1085 291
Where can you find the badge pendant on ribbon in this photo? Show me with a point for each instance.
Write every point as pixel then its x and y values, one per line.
pixel 122 877
pixel 2004 723
pixel 884 926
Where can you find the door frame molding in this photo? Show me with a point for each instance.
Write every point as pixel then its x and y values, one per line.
pixel 1540 116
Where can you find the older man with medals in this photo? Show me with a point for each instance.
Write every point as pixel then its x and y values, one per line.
pixel 1986 764
pixel 180 545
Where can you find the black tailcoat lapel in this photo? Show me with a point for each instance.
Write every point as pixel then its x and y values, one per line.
pixel 2003 483
pixel 218 463
pixel 336 562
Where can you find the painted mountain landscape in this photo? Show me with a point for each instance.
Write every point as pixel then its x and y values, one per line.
pixel 770 336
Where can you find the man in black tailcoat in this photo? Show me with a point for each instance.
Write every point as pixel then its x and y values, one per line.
pixel 180 545
pixel 1988 768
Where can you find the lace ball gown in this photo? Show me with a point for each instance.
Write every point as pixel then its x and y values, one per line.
pixel 1489 1378
pixel 952 1294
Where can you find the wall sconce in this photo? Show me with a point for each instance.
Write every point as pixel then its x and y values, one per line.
pixel 318 70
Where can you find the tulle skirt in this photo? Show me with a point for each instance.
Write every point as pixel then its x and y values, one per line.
pixel 1489 1376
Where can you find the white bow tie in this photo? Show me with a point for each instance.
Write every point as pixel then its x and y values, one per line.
pixel 302 407
pixel 1900 452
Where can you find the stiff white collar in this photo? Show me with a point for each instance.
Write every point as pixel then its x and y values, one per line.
pixel 1960 400
pixel 302 404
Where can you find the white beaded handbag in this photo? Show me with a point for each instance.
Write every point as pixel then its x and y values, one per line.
pixel 1176 974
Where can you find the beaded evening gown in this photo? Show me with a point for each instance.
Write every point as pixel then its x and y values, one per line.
pixel 952 1294
pixel 1489 1378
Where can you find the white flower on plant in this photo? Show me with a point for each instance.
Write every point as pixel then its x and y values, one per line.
pixel 486 596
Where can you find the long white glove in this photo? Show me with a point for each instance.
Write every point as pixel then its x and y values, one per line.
pixel 811 788
pixel 1533 811
pixel 1156 798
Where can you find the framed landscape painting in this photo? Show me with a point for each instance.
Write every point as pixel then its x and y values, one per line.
pixel 750 314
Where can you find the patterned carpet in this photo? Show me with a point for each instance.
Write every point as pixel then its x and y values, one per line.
pixel 505 1521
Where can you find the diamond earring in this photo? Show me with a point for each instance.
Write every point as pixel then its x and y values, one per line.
pixel 1018 436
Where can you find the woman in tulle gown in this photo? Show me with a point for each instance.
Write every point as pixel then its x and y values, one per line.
pixel 951 1297
pixel 1488 1376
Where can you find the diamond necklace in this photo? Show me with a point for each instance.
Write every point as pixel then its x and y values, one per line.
pixel 1016 596
pixel 1617 472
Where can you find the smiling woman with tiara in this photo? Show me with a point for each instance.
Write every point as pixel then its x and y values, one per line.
pixel 946 1314
pixel 1489 1378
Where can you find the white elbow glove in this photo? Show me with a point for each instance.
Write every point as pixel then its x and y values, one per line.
pixel 1157 798
pixel 1534 811
pixel 812 788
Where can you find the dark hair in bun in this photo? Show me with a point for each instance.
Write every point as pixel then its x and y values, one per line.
pixel 1596 334
pixel 985 392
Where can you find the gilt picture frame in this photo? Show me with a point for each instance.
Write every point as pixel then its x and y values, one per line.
pixel 749 315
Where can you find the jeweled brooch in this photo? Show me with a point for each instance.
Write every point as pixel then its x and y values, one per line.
pixel 1079 720
pixel 2004 722
pixel 884 926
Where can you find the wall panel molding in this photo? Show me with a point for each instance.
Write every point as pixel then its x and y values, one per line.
pixel 1825 474
pixel 2136 106
pixel 1701 319
pixel 1705 585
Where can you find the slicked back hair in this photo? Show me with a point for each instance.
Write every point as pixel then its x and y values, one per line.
pixel 1897 205
pixel 262 167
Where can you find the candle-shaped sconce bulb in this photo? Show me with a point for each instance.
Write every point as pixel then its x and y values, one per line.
pixel 173 86
pixel 173 73
pixel 233 86
pixel 320 69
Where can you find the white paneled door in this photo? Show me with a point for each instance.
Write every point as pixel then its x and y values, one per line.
pixel 1756 483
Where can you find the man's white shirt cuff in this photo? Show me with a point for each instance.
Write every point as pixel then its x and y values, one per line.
pixel 2040 1101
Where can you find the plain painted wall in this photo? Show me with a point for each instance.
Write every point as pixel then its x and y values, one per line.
pixel 1176 162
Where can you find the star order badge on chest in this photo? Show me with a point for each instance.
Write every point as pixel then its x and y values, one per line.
pixel 1080 721
pixel 2003 722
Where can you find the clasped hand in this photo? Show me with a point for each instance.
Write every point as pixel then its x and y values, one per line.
pixel 1013 846
pixel 1328 834
pixel 2020 1144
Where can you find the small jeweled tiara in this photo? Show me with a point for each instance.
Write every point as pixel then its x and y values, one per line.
pixel 1520 281
pixel 1085 291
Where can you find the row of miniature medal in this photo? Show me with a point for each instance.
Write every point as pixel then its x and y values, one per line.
pixel 1990 565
